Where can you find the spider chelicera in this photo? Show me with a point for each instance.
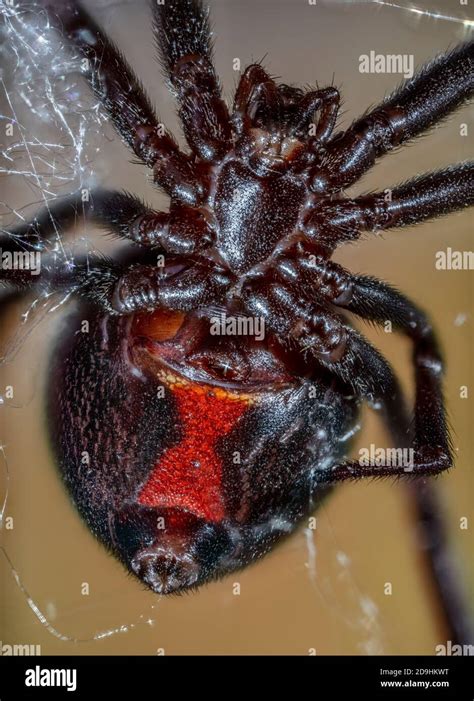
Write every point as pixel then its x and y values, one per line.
pixel 191 453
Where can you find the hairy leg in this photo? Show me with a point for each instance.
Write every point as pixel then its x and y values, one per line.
pixel 182 285
pixel 433 93
pixel 431 444
pixel 256 91
pixel 183 38
pixel 377 301
pixel 120 92
pixel 119 212
pixel 443 568
pixel 185 230
pixel 327 101
pixel 321 335
pixel 344 352
pixel 426 197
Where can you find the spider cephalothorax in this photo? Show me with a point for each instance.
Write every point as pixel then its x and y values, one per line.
pixel 206 444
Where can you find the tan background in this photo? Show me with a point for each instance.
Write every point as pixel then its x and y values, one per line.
pixel 326 593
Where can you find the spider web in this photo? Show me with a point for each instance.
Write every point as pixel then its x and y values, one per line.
pixel 53 155
pixel 50 156
pixel 55 149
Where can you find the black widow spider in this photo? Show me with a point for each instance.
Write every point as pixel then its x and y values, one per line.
pixel 204 449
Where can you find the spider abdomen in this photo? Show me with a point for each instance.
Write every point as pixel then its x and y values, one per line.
pixel 183 479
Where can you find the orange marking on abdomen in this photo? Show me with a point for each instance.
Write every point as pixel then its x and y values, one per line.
pixel 189 475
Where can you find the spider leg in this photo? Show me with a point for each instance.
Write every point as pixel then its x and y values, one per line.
pixel 322 335
pixel 119 212
pixel 197 283
pixel 351 358
pixel 317 278
pixel 303 108
pixel 442 565
pixel 182 285
pixel 256 91
pixel 183 38
pixel 327 100
pixel 435 91
pixel 120 92
pixel 425 197
pixel 375 300
pixel 185 230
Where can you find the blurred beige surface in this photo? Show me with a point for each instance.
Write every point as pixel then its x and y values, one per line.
pixel 323 591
